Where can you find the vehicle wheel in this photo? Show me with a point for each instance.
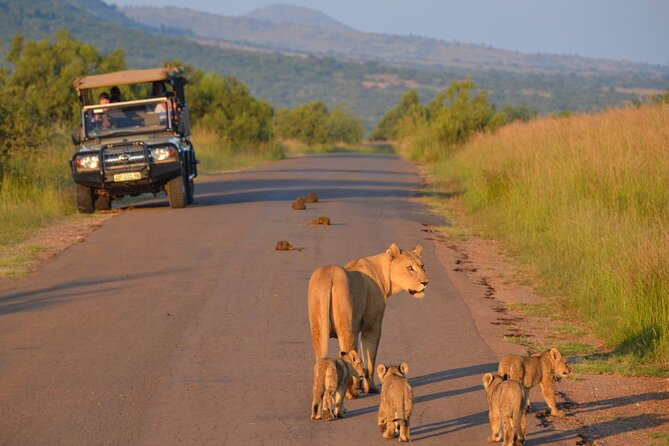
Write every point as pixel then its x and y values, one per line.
pixel 176 192
pixel 190 191
pixel 103 203
pixel 85 199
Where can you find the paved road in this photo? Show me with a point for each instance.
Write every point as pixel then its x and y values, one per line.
pixel 186 327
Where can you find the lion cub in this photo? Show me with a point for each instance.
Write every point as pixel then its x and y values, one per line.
pixel 507 401
pixel 537 369
pixel 332 379
pixel 396 401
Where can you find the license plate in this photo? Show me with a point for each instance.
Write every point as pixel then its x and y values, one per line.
pixel 128 176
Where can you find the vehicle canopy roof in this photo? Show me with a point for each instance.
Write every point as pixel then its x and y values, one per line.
pixel 167 73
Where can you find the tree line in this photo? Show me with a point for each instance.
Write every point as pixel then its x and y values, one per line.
pixel 38 99
pixel 428 132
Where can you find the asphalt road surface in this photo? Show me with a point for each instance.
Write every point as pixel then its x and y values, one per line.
pixel 186 327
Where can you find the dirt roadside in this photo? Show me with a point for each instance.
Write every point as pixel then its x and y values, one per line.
pixel 603 410
pixel 19 260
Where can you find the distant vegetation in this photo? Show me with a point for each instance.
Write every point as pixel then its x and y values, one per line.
pixel 431 132
pixel 368 89
pixel 584 201
pixel 313 123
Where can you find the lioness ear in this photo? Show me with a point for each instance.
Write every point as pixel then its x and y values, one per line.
pixel 555 354
pixel 487 379
pixel 355 358
pixel 381 371
pixel 418 250
pixel 404 368
pixel 393 252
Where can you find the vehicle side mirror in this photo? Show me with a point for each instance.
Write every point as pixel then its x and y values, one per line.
pixel 76 139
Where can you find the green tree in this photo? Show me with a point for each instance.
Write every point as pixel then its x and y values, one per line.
pixel 42 74
pixel 389 126
pixel 306 123
pixel 518 113
pixel 225 105
pixel 344 126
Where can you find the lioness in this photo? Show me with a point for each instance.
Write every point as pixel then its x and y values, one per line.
pixel 332 378
pixel 537 369
pixel 507 401
pixel 345 302
pixel 396 401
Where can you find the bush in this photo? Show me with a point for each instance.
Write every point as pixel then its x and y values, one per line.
pixel 312 123
pixel 450 119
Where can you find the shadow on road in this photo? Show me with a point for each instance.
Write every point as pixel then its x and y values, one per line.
pixel 431 430
pixel 598 431
pixel 33 299
pixel 444 375
pixel 218 193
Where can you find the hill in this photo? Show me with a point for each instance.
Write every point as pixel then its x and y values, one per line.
pixel 368 88
pixel 303 30
pixel 296 15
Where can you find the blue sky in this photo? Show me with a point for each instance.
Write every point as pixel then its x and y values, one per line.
pixel 636 30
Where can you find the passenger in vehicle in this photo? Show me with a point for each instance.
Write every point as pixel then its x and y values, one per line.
pixel 101 119
pixel 115 94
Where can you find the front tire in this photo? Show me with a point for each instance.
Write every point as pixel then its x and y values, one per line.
pixel 85 199
pixel 103 203
pixel 190 191
pixel 176 192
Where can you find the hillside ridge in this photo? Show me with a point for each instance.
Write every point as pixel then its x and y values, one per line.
pixel 296 15
pixel 351 44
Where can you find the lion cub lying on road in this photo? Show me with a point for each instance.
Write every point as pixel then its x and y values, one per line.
pixel 537 369
pixel 332 378
pixel 507 401
pixel 396 401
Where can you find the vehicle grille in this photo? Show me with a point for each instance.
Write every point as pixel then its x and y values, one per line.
pixel 124 159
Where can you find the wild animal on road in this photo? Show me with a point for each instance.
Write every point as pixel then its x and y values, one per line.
pixel 332 379
pixel 537 369
pixel 396 401
pixel 507 403
pixel 350 301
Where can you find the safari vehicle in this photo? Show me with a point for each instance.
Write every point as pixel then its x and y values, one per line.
pixel 135 146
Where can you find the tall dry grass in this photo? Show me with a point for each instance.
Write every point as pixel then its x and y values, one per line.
pixel 585 201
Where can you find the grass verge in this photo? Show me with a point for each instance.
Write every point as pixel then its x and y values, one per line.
pixel 583 202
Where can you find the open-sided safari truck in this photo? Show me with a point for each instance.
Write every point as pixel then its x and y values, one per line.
pixel 130 147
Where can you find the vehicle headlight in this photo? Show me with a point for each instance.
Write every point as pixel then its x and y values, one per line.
pixel 163 154
pixel 87 162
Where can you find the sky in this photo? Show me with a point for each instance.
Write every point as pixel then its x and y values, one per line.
pixel 634 30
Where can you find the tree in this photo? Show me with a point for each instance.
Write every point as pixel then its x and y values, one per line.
pixel 43 72
pixel 389 126
pixel 306 123
pixel 225 105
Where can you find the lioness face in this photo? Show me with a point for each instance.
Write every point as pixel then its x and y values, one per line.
pixel 407 270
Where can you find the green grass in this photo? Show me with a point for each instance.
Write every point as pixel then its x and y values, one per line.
pixel 35 190
pixel 659 439
pixel 583 201
pixel 618 364
pixel 215 155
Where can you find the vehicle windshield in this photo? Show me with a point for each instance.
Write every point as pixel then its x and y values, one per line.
pixel 127 117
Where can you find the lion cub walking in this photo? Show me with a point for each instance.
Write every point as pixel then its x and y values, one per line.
pixel 332 378
pixel 537 369
pixel 396 401
pixel 507 403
